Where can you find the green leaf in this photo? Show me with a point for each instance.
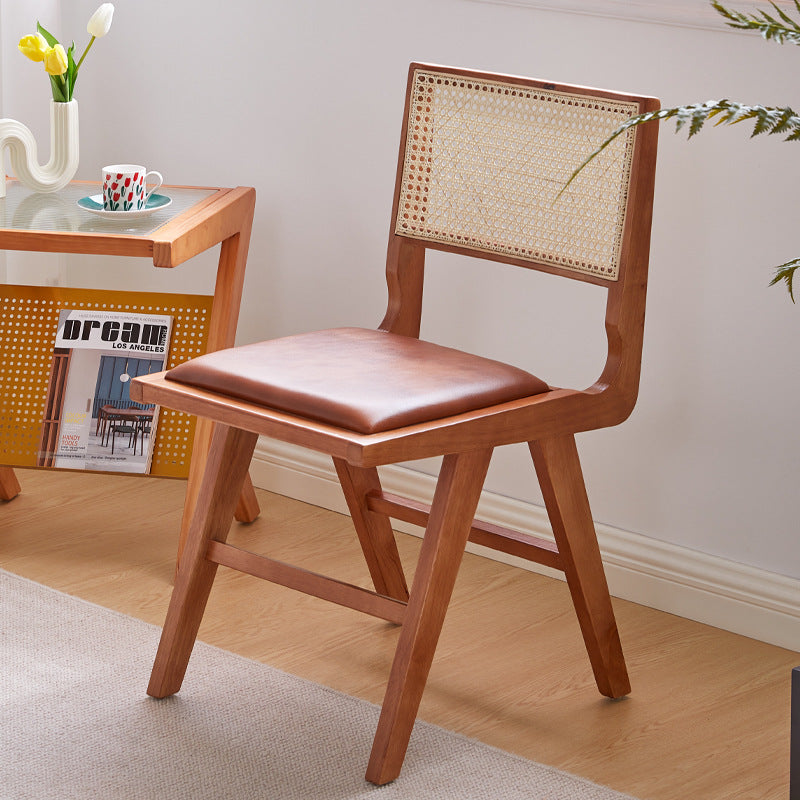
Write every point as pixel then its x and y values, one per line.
pixel 683 114
pixel 785 17
pixel 57 85
pixel 698 118
pixel 785 273
pixel 48 37
pixel 72 72
pixel 734 112
pixel 767 120
pixel 780 31
pixel 764 122
pixel 784 121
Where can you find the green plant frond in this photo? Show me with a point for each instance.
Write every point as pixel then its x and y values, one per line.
pixel 767 120
pixel 698 120
pixel 785 273
pixel 784 121
pixel 732 113
pixel 694 116
pixel 785 17
pixel 780 30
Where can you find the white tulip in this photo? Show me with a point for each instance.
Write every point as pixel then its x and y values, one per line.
pixel 100 21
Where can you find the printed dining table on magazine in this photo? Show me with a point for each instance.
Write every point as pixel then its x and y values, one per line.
pixel 195 220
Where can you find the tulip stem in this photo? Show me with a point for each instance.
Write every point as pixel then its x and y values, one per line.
pixel 88 47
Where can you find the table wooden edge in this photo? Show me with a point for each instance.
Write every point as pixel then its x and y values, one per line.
pixel 208 222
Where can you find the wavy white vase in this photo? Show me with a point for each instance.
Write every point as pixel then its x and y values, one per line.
pixel 64 150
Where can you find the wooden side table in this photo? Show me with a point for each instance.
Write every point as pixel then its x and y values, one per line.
pixel 794 768
pixel 197 219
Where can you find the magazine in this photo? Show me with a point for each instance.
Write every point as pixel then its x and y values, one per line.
pixel 90 421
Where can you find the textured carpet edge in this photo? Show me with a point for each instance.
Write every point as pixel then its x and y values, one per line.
pixel 339 695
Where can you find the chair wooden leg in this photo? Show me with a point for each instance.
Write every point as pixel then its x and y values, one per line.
pixel 453 509
pixel 559 471
pixel 226 467
pixel 374 530
pixel 9 485
pixel 247 509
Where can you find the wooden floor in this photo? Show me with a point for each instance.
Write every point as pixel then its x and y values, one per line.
pixel 708 718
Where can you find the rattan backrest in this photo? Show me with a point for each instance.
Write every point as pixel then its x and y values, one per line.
pixel 485 158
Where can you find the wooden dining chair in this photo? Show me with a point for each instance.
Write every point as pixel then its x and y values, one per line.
pixel 482 160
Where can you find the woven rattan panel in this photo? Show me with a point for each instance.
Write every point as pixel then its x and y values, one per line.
pixel 485 161
pixel 28 323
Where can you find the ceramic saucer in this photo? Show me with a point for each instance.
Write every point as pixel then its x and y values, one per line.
pixel 94 204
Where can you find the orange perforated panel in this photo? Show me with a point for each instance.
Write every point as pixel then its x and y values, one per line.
pixel 28 324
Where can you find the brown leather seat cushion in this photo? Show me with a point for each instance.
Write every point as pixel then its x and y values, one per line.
pixel 358 379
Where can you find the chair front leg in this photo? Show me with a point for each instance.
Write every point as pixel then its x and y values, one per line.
pixel 374 530
pixel 559 471
pixel 452 512
pixel 225 471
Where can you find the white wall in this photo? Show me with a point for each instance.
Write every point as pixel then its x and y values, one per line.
pixel 302 99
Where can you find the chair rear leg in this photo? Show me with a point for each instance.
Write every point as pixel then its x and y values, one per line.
pixel 374 530
pixel 225 471
pixel 559 471
pixel 453 509
pixel 247 509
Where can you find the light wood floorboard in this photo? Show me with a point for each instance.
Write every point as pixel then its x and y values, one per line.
pixel 708 717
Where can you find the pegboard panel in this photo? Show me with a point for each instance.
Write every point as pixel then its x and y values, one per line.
pixel 28 325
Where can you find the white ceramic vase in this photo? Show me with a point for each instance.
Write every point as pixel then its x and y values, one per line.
pixel 64 150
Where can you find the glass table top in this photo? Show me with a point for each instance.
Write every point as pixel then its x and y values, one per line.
pixel 23 209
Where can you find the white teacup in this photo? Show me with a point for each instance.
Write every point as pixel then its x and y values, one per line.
pixel 124 187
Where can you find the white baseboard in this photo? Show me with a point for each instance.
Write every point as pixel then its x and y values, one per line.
pixel 734 597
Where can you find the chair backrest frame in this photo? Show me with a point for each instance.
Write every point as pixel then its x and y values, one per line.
pixel 624 319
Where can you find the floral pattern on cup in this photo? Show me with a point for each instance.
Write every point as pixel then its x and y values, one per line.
pixel 124 187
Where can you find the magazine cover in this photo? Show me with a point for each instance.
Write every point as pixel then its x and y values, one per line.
pixel 90 421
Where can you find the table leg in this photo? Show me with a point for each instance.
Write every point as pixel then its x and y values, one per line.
pixel 222 329
pixel 9 485
pixel 221 334
pixel 794 768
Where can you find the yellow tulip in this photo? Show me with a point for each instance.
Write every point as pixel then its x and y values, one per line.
pixel 33 46
pixel 55 60
pixel 58 62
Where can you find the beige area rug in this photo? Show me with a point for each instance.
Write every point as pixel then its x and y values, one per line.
pixel 76 724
